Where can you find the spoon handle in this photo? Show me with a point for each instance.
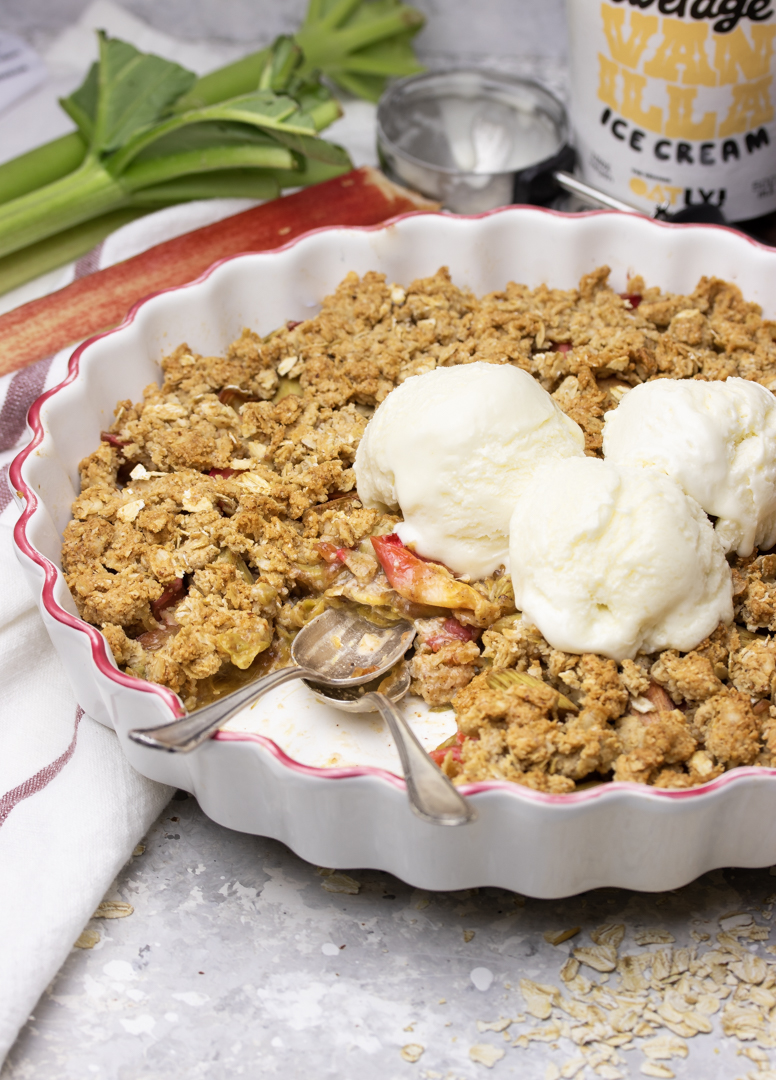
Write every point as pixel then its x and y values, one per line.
pixel 431 794
pixel 191 731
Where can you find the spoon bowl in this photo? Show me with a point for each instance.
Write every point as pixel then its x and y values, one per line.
pixel 345 649
pixel 358 699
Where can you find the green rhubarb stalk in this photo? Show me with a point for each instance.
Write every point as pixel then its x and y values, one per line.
pixel 239 77
pixel 150 133
pixel 360 45
pixel 357 43
pixel 263 109
pixel 57 158
pixel 88 192
pixel 135 144
pixel 41 166
pixel 235 184
pixel 323 51
pixel 220 184
pixel 65 246
pixel 154 171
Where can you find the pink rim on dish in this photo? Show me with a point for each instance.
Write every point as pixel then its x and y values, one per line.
pixel 99 645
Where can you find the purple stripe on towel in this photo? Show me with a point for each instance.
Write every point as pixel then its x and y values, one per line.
pixel 5 488
pixel 89 263
pixel 41 778
pixel 26 385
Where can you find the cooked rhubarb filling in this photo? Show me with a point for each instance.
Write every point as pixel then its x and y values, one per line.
pixel 220 514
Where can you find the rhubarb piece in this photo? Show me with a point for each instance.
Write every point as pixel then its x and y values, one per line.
pixel 634 299
pixel 503 680
pixel 114 440
pixel 244 645
pixel 171 595
pixel 451 631
pixel 449 746
pixel 330 553
pixel 99 301
pixel 430 583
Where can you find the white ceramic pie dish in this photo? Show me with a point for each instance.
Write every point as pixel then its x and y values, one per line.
pixel 324 782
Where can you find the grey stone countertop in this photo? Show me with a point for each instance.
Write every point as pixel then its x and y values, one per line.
pixel 240 959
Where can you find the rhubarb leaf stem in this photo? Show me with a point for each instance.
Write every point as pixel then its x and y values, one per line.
pixel 88 192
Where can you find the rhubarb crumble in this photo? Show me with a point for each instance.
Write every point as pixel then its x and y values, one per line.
pixel 219 515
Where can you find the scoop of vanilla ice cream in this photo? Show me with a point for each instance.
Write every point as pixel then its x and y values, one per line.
pixel 613 559
pixel 716 439
pixel 453 449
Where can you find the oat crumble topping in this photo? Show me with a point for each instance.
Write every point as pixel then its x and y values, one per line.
pixel 219 515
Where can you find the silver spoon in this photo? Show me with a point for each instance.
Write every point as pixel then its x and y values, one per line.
pixel 341 651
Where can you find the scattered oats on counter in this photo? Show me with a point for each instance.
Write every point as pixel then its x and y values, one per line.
pixel 657 1000
pixel 486 1054
pixel 87 939
pixel 219 515
pixel 113 909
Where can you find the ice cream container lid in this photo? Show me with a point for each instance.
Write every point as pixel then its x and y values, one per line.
pixel 473 139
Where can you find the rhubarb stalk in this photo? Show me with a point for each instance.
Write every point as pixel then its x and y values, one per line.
pixel 356 43
pixel 101 300
pixel 137 146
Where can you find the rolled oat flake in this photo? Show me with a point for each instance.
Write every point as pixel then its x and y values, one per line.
pixel 673 101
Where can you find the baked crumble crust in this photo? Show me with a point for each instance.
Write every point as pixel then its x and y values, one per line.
pixel 220 514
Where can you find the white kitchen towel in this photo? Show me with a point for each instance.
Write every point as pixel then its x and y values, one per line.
pixel 71 808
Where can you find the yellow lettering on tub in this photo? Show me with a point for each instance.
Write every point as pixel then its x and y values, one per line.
pixel 660 193
pixel 607 88
pixel 682 46
pixel 733 52
pixel 680 123
pixel 627 51
pixel 664 193
pixel 751 107
pixel 607 83
pixel 633 86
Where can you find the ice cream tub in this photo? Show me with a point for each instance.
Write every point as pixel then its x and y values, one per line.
pixel 672 102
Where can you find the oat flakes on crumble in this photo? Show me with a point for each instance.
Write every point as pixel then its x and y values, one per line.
pixel 220 514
